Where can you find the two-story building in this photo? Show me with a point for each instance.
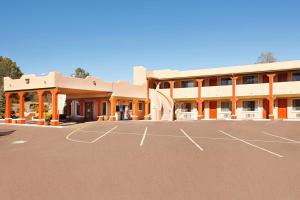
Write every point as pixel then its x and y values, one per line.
pixel 257 91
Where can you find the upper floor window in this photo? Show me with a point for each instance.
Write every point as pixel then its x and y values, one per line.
pixel 165 85
pixel 225 106
pixel 187 84
pixel 296 76
pixel 296 104
pixel 226 81
pixel 250 79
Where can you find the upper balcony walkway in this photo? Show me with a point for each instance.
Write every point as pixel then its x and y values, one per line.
pixel 290 88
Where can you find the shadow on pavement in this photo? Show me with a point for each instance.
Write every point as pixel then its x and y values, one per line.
pixel 4 132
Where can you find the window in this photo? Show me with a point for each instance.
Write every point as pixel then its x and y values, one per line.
pixel 250 79
pixel 187 84
pixel 249 106
pixel 130 106
pixel 226 81
pixel 296 76
pixel 140 105
pixel 77 108
pixel 226 106
pixel 118 109
pixel 296 104
pixel 165 85
pixel 186 107
pixel 104 108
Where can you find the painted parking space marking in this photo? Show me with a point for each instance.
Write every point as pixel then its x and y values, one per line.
pixel 287 139
pixel 18 142
pixel 144 136
pixel 250 144
pixel 195 143
pixel 68 137
pixel 201 137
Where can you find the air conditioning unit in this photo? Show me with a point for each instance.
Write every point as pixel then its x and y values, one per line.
pixel 227 116
pixel 250 116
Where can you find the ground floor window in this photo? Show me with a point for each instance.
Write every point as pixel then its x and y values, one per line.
pixel 226 106
pixel 296 104
pixel 104 108
pixel 140 105
pixel 130 106
pixel 249 106
pixel 186 107
pixel 77 106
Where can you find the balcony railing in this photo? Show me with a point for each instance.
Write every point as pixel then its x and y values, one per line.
pixel 246 90
pixel 286 88
pixel 242 90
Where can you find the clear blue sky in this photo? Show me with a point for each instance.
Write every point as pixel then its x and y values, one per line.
pixel 108 37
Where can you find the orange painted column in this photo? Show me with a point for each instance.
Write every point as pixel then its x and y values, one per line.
pixel 135 109
pixel 147 109
pixel 233 98
pixel 147 102
pixel 113 101
pixel 199 100
pixel 100 116
pixel 99 107
pixel 8 118
pixel 21 119
pixel 81 102
pixel 55 120
pixel 271 98
pixel 40 94
pixel 171 88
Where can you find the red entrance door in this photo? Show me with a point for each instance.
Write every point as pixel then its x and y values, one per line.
pixel 89 111
pixel 213 81
pixel 282 77
pixel 265 109
pixel 282 108
pixel 213 109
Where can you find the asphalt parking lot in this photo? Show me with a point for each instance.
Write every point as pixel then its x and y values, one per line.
pixel 152 160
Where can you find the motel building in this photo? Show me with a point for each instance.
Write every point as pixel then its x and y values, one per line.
pixel 258 91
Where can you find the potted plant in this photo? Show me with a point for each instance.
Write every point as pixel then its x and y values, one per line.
pixel 48 117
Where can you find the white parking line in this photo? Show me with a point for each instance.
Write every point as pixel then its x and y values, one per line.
pixel 88 142
pixel 204 138
pixel 18 142
pixel 144 136
pixel 195 143
pixel 275 154
pixel 287 139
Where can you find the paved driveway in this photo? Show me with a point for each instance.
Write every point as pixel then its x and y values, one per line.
pixel 152 160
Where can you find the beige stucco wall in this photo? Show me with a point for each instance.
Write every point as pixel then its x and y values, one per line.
pixel 55 79
pixel 254 68
pixel 124 89
pixel 139 75
pixel 90 83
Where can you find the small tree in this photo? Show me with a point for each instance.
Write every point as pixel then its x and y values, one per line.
pixel 80 73
pixel 7 68
pixel 266 57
